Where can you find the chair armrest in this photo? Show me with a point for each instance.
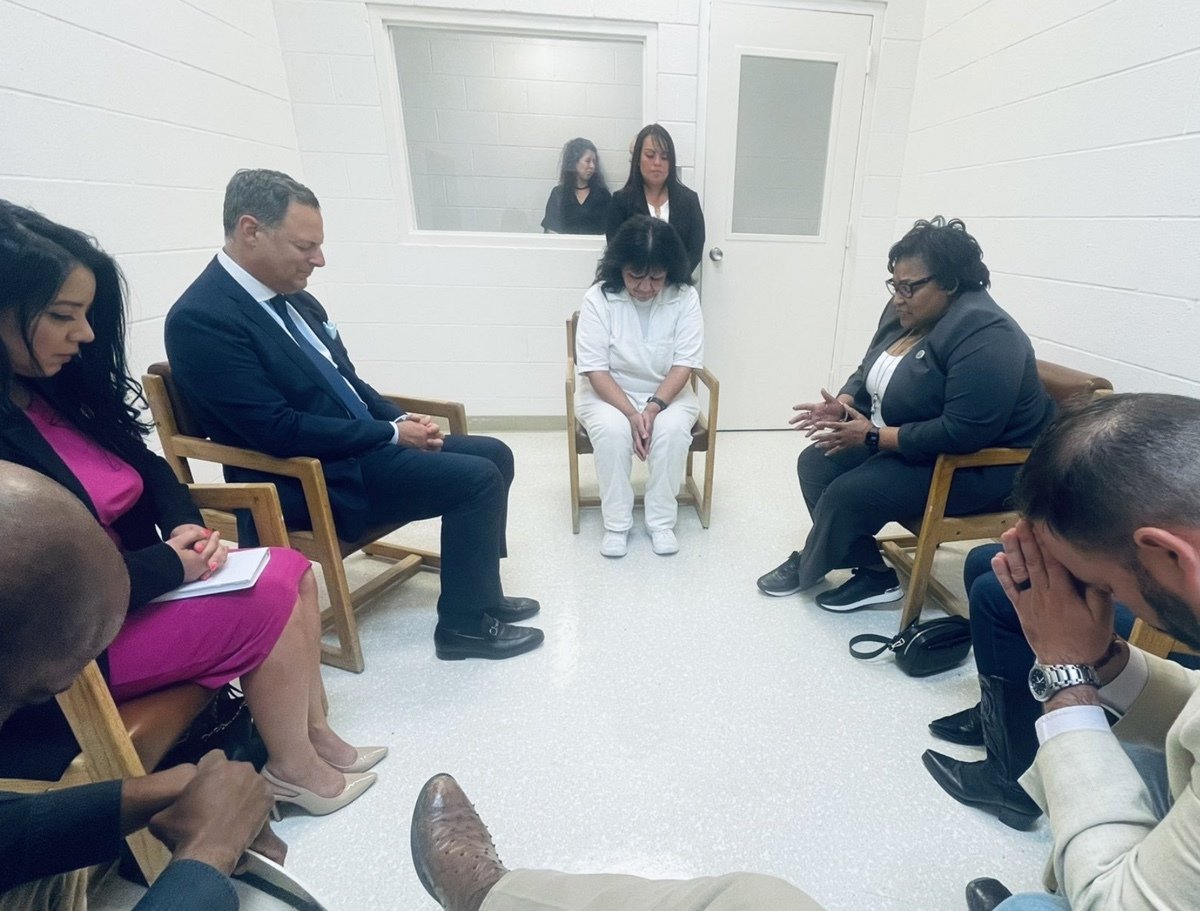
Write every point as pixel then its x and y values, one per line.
pixel 261 499
pixel 300 467
pixel 571 377
pixel 705 376
pixel 983 458
pixel 455 413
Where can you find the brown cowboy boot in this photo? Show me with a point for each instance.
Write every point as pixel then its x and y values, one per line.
pixel 454 855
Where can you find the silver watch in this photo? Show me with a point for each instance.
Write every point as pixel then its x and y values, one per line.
pixel 1047 679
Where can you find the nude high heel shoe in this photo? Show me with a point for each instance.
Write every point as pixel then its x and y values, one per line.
pixel 367 758
pixel 314 804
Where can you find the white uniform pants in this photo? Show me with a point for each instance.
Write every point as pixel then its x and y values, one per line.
pixel 612 441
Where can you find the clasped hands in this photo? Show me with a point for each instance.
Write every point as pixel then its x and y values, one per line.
pixel 641 424
pixel 833 424
pixel 200 550
pixel 419 431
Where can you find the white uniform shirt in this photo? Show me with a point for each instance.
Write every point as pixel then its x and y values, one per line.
pixel 611 336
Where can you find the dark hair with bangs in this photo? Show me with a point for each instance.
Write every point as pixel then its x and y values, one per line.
pixel 574 150
pixel 1107 467
pixel 94 391
pixel 953 256
pixel 643 244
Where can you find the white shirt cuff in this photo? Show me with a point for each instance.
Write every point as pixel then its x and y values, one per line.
pixel 1071 718
pixel 1120 693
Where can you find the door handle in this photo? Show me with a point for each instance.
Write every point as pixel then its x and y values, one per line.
pixel 716 254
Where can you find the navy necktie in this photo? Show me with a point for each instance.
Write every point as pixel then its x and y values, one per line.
pixel 338 383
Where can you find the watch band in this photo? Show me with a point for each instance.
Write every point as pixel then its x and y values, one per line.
pixel 662 406
pixel 872 440
pixel 1047 679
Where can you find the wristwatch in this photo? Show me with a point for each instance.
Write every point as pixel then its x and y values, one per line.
pixel 872 440
pixel 1047 679
pixel 662 406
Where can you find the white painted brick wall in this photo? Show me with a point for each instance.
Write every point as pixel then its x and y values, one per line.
pixel 126 119
pixel 1067 136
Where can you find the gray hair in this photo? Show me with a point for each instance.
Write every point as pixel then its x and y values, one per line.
pixel 263 194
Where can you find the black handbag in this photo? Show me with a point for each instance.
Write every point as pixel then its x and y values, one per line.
pixel 922 649
pixel 226 725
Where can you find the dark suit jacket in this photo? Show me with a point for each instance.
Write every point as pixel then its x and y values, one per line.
pixel 153 567
pixel 971 382
pixel 251 386
pixel 45 834
pixel 685 216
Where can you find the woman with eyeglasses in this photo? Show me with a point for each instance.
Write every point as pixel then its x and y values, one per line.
pixel 947 371
pixel 640 335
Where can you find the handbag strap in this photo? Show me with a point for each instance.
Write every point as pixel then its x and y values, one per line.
pixel 885 643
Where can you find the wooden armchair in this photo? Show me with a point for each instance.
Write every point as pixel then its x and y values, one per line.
pixel 704 439
pixel 183 439
pixel 912 554
pixel 1155 641
pixel 127 741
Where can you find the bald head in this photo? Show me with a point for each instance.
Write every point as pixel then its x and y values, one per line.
pixel 63 588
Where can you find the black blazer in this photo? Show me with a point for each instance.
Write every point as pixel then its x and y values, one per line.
pixel 565 214
pixel 971 382
pixel 153 567
pixel 250 385
pixel 685 216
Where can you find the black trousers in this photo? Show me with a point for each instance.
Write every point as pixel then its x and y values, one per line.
pixel 466 483
pixel 853 494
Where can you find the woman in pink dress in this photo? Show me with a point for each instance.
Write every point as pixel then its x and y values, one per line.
pixel 66 410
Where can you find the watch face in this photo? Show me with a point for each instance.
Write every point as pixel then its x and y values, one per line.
pixel 1039 683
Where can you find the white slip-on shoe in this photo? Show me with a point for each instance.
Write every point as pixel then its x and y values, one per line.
pixel 663 541
pixel 614 543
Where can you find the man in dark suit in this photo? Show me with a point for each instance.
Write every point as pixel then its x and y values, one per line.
pixel 263 367
pixel 63 593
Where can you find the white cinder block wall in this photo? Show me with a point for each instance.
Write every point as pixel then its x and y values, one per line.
pixel 126 119
pixel 1067 136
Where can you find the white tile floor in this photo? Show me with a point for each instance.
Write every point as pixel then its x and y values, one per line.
pixel 676 723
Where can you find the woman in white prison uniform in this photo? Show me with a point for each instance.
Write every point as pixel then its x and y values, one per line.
pixel 640 334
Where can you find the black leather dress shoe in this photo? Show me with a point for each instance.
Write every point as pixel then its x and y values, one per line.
pixel 514 610
pixel 493 639
pixel 982 785
pixel 985 894
pixel 965 727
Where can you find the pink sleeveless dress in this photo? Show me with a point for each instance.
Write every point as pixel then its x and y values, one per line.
pixel 208 640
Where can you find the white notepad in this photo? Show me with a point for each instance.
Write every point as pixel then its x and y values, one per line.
pixel 241 570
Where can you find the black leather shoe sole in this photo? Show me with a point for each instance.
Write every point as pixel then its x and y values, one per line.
pixel 947 772
pixel 511 641
pixel 514 610
pixel 965 727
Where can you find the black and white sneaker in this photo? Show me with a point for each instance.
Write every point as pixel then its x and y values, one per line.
pixel 784 579
pixel 862 589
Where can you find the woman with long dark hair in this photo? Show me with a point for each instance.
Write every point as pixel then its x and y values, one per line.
pixel 640 335
pixel 579 204
pixel 68 410
pixel 654 188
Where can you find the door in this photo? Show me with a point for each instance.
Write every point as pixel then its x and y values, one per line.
pixel 777 195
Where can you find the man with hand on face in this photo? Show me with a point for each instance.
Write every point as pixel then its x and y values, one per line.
pixel 1111 502
pixel 63 594
pixel 264 368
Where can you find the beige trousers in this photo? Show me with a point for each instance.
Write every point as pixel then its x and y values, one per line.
pixel 65 892
pixel 547 890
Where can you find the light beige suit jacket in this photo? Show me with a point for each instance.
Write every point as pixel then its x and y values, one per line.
pixel 1110 850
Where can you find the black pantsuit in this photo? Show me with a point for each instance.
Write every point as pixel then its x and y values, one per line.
pixel 853 494
pixel 970 382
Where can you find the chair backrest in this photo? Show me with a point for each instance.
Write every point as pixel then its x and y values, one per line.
pixel 185 420
pixel 572 327
pixel 1066 383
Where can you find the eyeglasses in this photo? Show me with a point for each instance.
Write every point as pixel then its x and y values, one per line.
pixel 906 289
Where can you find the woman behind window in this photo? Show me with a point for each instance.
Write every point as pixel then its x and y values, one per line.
pixel 640 334
pixel 66 411
pixel 579 204
pixel 654 188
